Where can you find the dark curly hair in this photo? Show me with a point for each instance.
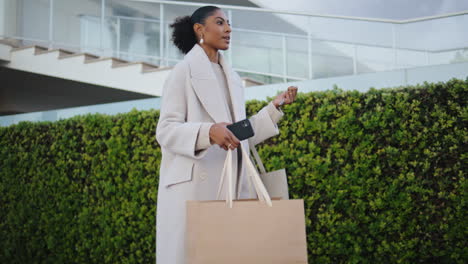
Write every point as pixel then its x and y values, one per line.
pixel 183 36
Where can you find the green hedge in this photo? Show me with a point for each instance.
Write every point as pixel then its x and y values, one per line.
pixel 382 174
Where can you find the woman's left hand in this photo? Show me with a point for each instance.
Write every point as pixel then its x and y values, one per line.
pixel 286 97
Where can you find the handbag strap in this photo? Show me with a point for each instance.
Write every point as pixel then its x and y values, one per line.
pixel 227 172
pixel 258 159
pixel 252 173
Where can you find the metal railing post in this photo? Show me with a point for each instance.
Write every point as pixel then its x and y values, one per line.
pixel 161 35
pixel 167 43
pixel 51 23
pixel 118 37
pixel 285 60
pixel 395 58
pixel 101 29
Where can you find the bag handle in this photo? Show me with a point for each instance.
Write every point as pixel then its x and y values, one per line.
pixel 256 181
pixel 227 172
pixel 258 160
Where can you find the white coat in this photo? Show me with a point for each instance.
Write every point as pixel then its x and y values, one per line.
pixel 192 97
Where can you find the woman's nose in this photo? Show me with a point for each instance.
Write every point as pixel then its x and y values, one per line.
pixel 227 28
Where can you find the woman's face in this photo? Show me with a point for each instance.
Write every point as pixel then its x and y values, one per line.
pixel 216 32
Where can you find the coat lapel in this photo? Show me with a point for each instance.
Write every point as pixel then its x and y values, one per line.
pixel 206 85
pixel 235 90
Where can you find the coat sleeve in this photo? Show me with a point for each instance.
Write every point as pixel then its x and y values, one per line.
pixel 264 124
pixel 173 132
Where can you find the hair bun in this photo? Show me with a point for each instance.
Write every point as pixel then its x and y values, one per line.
pixel 183 35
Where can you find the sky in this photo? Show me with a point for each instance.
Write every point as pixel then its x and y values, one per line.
pixel 384 9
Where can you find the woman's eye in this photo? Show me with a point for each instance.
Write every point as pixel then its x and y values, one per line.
pixel 220 22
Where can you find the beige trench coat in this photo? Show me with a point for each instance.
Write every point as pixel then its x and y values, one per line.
pixel 192 97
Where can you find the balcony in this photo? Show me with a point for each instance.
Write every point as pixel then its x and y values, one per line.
pixel 268 46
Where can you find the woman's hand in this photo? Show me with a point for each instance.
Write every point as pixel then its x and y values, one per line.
pixel 221 135
pixel 286 97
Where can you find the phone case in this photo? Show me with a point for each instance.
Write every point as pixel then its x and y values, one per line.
pixel 242 129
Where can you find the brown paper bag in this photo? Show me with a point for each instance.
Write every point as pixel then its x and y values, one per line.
pixel 246 231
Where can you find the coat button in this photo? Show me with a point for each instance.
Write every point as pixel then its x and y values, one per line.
pixel 203 175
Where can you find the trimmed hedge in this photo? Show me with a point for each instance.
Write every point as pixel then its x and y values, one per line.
pixel 382 175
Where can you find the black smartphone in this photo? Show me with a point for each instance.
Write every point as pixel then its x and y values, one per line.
pixel 242 129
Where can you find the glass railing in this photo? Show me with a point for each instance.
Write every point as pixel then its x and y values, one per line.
pixel 361 83
pixel 270 46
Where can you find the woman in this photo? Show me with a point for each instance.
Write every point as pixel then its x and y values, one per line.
pixel 200 97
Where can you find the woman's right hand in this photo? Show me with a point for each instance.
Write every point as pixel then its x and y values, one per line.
pixel 221 135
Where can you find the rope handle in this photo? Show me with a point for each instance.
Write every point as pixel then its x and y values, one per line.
pixel 258 159
pixel 252 174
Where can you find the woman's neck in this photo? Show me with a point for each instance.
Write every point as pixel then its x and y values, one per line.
pixel 212 53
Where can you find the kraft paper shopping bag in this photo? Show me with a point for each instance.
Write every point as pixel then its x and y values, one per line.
pixel 246 231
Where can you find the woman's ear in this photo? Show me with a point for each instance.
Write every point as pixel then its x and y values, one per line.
pixel 198 29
